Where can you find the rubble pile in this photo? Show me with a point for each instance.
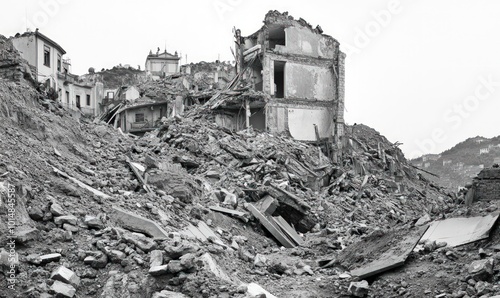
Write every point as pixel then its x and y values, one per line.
pixel 194 210
pixel 165 88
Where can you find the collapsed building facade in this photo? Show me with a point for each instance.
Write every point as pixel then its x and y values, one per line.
pixel 290 78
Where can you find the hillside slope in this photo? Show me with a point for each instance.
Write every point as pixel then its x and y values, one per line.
pixel 458 165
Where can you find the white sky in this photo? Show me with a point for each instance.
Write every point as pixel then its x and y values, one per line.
pixel 417 72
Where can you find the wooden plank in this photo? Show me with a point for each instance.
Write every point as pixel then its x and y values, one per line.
pixel 81 184
pixel 275 232
pixel 238 214
pixel 139 177
pixel 289 230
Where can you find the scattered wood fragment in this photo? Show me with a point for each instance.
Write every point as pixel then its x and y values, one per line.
pixel 81 184
pixel 238 214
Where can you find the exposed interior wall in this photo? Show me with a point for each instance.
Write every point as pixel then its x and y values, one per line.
pixel 231 119
pixel 298 120
pixel 301 121
pixel 302 41
pixel 309 82
pixel 276 118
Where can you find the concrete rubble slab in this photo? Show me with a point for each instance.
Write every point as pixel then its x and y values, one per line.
pixel 381 252
pixel 237 214
pixel 271 227
pixel 288 230
pixel 202 232
pixel 461 230
pixel 138 223
pixel 254 289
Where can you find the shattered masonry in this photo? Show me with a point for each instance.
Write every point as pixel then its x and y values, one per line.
pixel 302 73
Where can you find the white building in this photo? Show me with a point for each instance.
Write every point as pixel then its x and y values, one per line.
pixel 162 64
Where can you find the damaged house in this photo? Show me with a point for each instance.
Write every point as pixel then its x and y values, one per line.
pixel 290 79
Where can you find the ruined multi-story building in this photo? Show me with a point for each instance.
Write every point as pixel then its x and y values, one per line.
pixel 301 72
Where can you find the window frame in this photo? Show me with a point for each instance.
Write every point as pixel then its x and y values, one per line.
pixel 46 56
pixel 143 117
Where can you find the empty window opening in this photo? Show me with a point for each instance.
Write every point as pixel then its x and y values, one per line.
pixel 257 79
pixel 279 79
pixel 67 97
pixel 58 62
pixel 88 100
pixel 139 117
pixel 258 119
pixel 78 101
pixel 276 36
pixel 46 56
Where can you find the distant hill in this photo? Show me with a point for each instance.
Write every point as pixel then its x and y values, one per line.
pixel 458 165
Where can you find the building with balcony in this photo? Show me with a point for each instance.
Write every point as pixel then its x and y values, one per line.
pixel 46 59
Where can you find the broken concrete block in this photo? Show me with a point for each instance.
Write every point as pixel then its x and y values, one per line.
pixel 260 261
pixel 141 241
pixel 56 210
pixel 359 289
pixel 481 269
pixel 175 252
pixel 174 266
pixel 97 261
pixel 70 219
pixel 27 235
pixel 116 256
pixel 34 259
pixel 254 290
pixel 208 263
pixel 423 220
pixel 50 258
pixel 65 275
pixel 155 258
pixel 61 289
pixel 267 205
pixel 158 270
pixel 482 288
pixel 93 222
pixel 139 224
pixel 188 261
pixel 69 227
